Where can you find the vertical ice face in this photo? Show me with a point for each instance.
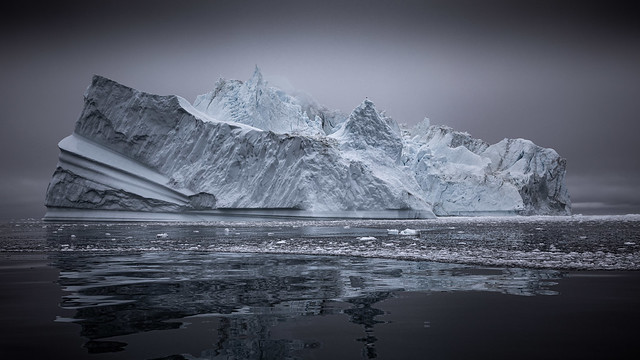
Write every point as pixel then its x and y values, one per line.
pixel 463 175
pixel 247 145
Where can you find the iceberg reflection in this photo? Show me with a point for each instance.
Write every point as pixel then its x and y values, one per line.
pixel 119 294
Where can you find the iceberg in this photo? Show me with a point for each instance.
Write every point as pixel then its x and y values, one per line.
pixel 250 149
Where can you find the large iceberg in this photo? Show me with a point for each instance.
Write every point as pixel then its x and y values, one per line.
pixel 247 148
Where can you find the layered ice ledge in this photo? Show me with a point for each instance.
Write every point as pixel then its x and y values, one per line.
pixel 250 149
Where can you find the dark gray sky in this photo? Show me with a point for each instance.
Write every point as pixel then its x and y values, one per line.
pixel 565 74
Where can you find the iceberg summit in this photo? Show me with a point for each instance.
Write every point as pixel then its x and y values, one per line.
pixel 250 149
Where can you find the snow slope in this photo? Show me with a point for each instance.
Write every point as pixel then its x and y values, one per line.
pixel 249 146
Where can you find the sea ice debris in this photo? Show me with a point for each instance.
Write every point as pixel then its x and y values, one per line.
pixel 409 232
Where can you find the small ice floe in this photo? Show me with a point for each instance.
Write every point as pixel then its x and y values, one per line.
pixel 393 231
pixel 226 230
pixel 367 238
pixel 64 319
pixel 162 236
pixel 196 231
pixel 409 232
pixel 281 242
pixel 629 243
pixel 346 227
pixel 129 237
pixel 73 236
pixel 582 237
pixel 270 234
pixel 107 234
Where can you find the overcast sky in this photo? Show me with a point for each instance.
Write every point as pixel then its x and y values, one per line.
pixel 564 74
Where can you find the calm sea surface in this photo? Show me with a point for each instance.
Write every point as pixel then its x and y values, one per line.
pixel 534 287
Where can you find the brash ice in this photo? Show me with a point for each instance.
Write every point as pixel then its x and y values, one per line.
pixel 252 149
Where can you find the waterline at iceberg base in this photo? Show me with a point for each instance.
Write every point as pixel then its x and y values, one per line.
pixel 249 149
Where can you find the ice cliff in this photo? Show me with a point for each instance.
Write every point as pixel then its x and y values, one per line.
pixel 249 148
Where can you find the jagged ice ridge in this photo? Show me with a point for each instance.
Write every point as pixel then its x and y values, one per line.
pixel 250 148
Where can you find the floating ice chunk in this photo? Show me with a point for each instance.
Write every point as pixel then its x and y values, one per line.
pixel 629 243
pixel 162 236
pixel 73 236
pixel 196 231
pixel 393 231
pixel 226 230
pixel 107 234
pixel 64 319
pixel 281 242
pixel 409 232
pixel 367 238
pixel 269 234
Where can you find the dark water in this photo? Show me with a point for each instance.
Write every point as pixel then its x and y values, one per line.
pixel 500 288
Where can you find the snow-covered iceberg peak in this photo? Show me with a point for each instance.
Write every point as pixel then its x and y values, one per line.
pixel 368 131
pixel 262 106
